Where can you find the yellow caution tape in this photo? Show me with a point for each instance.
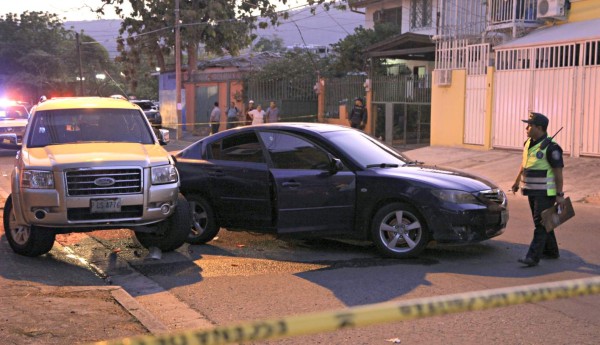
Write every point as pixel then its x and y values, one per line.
pixel 238 122
pixel 371 314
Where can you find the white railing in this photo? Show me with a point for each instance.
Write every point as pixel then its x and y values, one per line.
pixel 509 11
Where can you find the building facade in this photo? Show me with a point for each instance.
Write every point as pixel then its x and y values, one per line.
pixel 499 60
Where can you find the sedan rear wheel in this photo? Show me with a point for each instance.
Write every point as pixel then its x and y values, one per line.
pixel 398 231
pixel 204 223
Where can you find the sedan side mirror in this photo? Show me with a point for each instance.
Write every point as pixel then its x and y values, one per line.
pixel 163 136
pixel 335 165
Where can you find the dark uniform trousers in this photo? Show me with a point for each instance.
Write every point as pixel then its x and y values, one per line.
pixel 543 242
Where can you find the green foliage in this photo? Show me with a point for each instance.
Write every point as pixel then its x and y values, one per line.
pixel 296 64
pixel 349 57
pixel 39 56
pixel 350 52
pixel 269 45
pixel 220 26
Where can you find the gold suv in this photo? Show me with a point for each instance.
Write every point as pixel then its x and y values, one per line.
pixel 92 163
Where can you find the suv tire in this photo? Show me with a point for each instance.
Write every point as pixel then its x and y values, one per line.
pixel 171 233
pixel 26 240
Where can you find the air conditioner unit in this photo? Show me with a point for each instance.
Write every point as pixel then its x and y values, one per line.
pixel 550 9
pixel 443 77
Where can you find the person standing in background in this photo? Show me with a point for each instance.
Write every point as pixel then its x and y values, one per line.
pixel 232 115
pixel 250 108
pixel 257 115
pixel 215 119
pixel 358 114
pixel 272 114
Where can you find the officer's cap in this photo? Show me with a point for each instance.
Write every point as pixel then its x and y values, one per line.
pixel 537 119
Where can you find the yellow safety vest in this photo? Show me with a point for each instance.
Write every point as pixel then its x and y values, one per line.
pixel 537 172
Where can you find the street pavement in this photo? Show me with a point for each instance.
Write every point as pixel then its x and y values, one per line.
pixel 50 303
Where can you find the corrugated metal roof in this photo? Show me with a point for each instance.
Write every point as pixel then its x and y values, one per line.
pixel 565 33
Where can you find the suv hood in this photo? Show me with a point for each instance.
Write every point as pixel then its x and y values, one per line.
pixel 13 122
pixel 94 154
pixel 440 177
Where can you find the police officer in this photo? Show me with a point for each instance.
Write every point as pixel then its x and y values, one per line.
pixel 541 180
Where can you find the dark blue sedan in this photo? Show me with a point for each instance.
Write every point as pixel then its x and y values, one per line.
pixel 327 180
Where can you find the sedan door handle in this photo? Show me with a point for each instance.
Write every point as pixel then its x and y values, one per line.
pixel 290 184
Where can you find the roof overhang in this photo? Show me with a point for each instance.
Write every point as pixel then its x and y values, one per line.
pixel 407 46
pixel 362 3
pixel 557 34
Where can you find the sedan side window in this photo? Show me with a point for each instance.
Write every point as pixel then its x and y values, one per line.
pixel 238 148
pixel 292 152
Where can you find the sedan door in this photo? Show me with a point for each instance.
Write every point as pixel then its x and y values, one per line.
pixel 309 196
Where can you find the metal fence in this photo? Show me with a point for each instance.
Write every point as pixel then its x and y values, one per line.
pixel 296 98
pixel 341 92
pixel 402 89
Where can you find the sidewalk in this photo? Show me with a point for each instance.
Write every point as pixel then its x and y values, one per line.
pixel 47 300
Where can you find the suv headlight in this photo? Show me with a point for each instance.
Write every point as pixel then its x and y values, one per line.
pixel 164 174
pixel 455 196
pixel 37 179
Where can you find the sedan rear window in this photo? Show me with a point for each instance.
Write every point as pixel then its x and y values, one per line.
pixel 65 126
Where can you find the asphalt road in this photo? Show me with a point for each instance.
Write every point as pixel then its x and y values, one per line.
pixel 248 276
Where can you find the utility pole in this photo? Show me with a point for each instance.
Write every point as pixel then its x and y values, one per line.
pixel 80 68
pixel 178 106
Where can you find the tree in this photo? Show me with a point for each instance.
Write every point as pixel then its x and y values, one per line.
pixel 269 45
pixel 221 26
pixel 39 56
pixel 350 51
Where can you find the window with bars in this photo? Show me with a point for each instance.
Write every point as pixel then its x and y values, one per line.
pixel 390 16
pixel 420 14
pixel 560 56
pixel 592 53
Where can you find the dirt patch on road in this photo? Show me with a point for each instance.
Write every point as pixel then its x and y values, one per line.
pixel 60 315
pixel 592 199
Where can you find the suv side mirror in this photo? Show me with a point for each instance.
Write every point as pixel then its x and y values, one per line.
pixel 163 136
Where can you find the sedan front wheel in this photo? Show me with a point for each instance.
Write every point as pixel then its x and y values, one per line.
pixel 398 231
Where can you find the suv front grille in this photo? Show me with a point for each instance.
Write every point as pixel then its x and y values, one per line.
pixel 104 182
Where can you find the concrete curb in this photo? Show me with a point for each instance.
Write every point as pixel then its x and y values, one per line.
pixel 152 324
pixel 122 297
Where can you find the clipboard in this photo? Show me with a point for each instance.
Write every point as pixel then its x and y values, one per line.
pixel 552 219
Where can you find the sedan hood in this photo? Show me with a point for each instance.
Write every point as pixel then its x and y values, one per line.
pixel 73 156
pixel 440 177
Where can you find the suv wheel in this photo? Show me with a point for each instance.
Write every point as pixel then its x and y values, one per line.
pixel 171 233
pixel 26 240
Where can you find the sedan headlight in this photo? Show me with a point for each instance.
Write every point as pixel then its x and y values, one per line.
pixel 455 196
pixel 164 174
pixel 37 179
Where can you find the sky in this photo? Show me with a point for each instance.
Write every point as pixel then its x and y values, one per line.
pixel 74 10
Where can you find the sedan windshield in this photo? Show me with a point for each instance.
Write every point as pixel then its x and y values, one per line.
pixel 65 126
pixel 366 151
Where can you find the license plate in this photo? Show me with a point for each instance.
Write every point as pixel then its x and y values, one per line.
pixel 105 205
pixel 504 217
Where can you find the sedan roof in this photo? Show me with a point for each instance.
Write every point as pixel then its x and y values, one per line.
pixel 308 126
